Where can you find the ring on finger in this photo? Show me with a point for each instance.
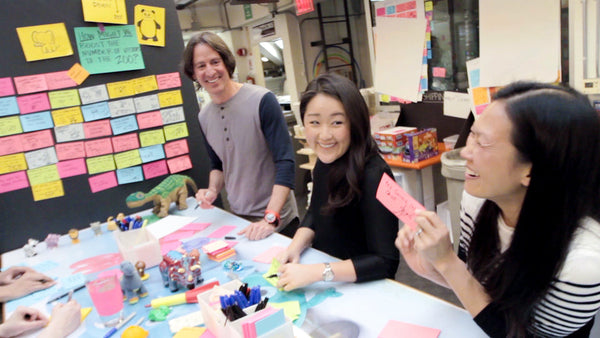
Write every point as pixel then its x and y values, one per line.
pixel 418 233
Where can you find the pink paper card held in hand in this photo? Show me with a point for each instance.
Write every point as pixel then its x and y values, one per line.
pixel 398 201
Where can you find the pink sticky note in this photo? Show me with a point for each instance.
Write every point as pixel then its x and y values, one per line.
pixel 13 181
pixel 177 235
pixel 33 103
pixel 394 329
pixel 165 247
pixel 180 163
pixel 405 6
pixel 103 181
pixel 125 142
pixel 155 169
pixel 195 227
pixel 97 129
pixel 221 232
pixel 169 80
pixel 98 147
pixel 31 84
pixel 10 145
pixel 398 201
pixel 267 256
pixel 149 120
pixel 71 168
pixel 439 72
pixel 381 11
pixel 6 87
pixel 70 150
pixel 176 148
pixel 37 140
pixel 59 80
pixel 480 108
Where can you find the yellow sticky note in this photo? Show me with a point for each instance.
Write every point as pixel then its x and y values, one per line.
pixel 10 125
pixel 78 73
pixel 44 41
pixel 480 95
pixel 144 84
pixel 273 272
pixel 152 137
pixel 48 190
pixel 150 25
pixel 175 131
pixel 108 11
pixel 43 174
pixel 120 89
pixel 384 98
pixel 190 332
pixel 64 98
pixel 428 5
pixel 100 164
pixel 170 98
pixel 128 159
pixel 86 311
pixel 66 116
pixel 12 163
pixel 291 309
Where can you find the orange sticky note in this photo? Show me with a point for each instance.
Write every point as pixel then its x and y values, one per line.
pixel 78 73
pixel 398 201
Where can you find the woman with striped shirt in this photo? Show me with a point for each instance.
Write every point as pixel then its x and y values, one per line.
pixel 529 254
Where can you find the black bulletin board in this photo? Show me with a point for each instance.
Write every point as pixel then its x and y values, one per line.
pixel 21 216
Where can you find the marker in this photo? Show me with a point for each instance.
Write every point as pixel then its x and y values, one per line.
pixel 120 325
pixel 273 275
pixel 57 297
pixel 182 298
pixel 229 237
pixel 205 195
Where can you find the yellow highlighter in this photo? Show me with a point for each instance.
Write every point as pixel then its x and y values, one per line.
pixel 182 298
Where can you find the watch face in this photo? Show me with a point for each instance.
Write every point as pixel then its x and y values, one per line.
pixel 270 218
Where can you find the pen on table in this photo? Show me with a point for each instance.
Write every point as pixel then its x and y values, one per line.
pixel 65 294
pixel 197 205
pixel 120 325
pixel 70 296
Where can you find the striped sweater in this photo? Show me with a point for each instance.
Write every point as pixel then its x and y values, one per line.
pixel 573 298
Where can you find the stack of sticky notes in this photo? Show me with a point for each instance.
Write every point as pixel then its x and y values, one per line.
pixel 218 250
pixel 262 322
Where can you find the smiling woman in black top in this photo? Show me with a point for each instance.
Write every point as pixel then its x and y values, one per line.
pixel 345 219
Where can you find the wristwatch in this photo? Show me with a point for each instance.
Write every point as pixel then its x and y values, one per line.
pixel 328 273
pixel 272 217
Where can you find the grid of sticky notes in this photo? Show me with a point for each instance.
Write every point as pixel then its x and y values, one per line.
pixel 116 133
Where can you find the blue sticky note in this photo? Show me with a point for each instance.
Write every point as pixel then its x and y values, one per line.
pixel 428 44
pixel 152 153
pixel 429 54
pixel 8 106
pixel 95 111
pixel 390 10
pixel 123 124
pixel 269 323
pixel 424 84
pixel 424 60
pixel 474 77
pixel 36 121
pixel 130 175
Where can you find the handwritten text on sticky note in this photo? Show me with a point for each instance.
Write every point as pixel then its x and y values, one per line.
pixel 398 201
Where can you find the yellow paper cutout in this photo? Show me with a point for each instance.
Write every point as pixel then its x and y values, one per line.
pixel 10 125
pixel 78 73
pixel 291 309
pixel 144 84
pixel 66 116
pixel 428 6
pixel 480 95
pixel 170 98
pixel 175 131
pixel 120 89
pixel 190 332
pixel 86 311
pixel 48 190
pixel 12 163
pixel 42 175
pixel 44 41
pixel 152 137
pixel 150 25
pixel 64 98
pixel 128 159
pixel 273 272
pixel 100 164
pixel 107 11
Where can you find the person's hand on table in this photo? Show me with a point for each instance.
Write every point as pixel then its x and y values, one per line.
pixel 432 239
pixel 293 276
pixel 65 319
pixel 19 281
pixel 288 256
pixel 24 319
pixel 206 198
pixel 257 230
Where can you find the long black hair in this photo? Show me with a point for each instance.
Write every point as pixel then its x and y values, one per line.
pixel 345 173
pixel 557 130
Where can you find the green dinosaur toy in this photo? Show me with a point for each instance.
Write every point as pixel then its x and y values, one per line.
pixel 171 189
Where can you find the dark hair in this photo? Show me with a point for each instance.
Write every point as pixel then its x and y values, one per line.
pixel 557 130
pixel 213 41
pixel 347 172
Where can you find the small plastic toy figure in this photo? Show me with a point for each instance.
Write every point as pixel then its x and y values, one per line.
pixel 74 234
pixel 29 248
pixel 131 283
pixel 181 270
pixel 140 266
pixel 96 227
pixel 112 225
pixel 52 241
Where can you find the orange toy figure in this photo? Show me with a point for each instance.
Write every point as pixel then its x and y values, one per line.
pixel 74 234
pixel 140 266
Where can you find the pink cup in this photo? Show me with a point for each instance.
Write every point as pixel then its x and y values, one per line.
pixel 107 297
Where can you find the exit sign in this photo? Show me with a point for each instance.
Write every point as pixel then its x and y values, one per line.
pixel 304 6
pixel 247 11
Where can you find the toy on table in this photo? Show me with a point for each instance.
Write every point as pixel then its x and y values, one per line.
pixel 29 248
pixel 181 270
pixel 52 241
pixel 218 250
pixel 160 314
pixel 171 189
pixel 131 283
pixel 96 227
pixel 135 331
pixel 140 266
pixel 112 224
pixel 74 234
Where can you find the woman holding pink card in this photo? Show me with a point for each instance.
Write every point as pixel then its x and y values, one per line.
pixel 345 219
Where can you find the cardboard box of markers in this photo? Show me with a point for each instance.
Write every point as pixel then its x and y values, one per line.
pixel 265 323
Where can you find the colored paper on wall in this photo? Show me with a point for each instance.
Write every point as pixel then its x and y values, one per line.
pixel 130 175
pixel 78 73
pixel 120 89
pixel 36 121
pixel 150 24
pixel 70 150
pixel 71 168
pixel 93 94
pixel 47 190
pixel 12 163
pixel 103 181
pixel 178 164
pixel 36 140
pixel 127 159
pixel 64 98
pixel 95 111
pixel 43 175
pixel 176 131
pixel 123 125
pixel 172 115
pixel 152 137
pixel 33 103
pixel 106 11
pixel 170 98
pixel 98 147
pixel 67 116
pixel 149 120
pixel 144 84
pixel 13 181
pixel 165 81
pixel 6 86
pixel 44 41
pixel 155 169
pixel 394 328
pixel 11 145
pixel 117 46
pixel 146 103
pixel 8 106
pixel 71 132
pixel 41 157
pixel 59 80
pixel 125 142
pixel 30 84
pixel 100 164
pixel 121 107
pixel 10 126
pixel 398 201
pixel 97 129
pixel 152 153
pixel 176 148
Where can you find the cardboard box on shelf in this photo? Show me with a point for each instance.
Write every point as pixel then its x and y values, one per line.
pixel 391 142
pixel 420 145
